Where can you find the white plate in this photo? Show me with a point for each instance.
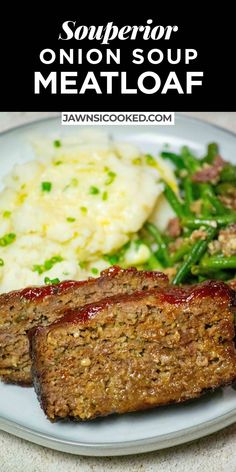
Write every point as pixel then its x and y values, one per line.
pixel 20 413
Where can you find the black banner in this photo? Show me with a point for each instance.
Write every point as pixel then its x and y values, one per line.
pixel 152 61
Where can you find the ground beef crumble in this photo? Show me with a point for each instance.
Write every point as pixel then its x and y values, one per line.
pixel 174 227
pixel 210 173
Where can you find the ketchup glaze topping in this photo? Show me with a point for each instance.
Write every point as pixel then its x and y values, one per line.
pixel 38 293
pixel 172 295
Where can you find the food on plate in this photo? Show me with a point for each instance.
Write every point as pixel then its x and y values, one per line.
pixel 198 242
pixel 87 203
pixel 66 213
pixel 132 352
pixel 33 306
pixel 127 339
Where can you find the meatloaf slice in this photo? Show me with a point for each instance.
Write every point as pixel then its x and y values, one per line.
pixel 133 352
pixel 24 309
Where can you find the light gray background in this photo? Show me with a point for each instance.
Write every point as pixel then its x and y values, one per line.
pixel 216 453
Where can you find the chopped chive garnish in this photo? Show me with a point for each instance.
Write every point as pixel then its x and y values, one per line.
pixel 84 210
pixel 94 271
pixel 57 143
pixel 150 160
pixel 112 258
pixel 7 239
pixel 38 268
pixel 70 219
pixel 82 264
pixel 104 196
pixel 46 186
pixel 49 281
pixel 111 177
pixel 6 214
pixel 1 262
pixel 47 265
pixel 93 190
pixel 58 163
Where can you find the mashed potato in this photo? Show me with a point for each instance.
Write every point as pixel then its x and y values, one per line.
pixel 70 206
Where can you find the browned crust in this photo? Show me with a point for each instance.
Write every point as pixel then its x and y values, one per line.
pixel 219 292
pixel 145 406
pixel 52 298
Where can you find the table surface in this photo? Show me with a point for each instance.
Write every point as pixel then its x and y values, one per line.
pixel 216 452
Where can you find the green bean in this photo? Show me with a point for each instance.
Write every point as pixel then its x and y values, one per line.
pixel 192 164
pixel 188 194
pixel 208 194
pixel 167 239
pixel 228 173
pixel 181 252
pixel 214 221
pixel 195 254
pixel 220 275
pixel 206 207
pixel 162 247
pixel 216 203
pixel 212 152
pixel 175 158
pixel 225 188
pixel 174 201
pixel 214 274
pixel 218 262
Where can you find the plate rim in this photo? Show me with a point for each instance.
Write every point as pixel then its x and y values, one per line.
pixel 121 448
pixel 118 125
pixel 126 447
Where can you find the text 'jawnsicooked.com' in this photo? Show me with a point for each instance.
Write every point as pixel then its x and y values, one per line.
pixel 117 118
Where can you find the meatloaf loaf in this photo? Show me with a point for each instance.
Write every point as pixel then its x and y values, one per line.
pixel 24 309
pixel 133 352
